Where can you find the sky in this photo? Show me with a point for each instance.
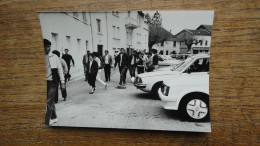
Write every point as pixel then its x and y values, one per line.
pixel 176 21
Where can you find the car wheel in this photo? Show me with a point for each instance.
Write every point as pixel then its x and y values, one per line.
pixel 195 107
pixel 155 89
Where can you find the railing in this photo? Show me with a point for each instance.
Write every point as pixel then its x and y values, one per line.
pixel 131 22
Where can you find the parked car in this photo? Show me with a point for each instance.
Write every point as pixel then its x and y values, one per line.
pixel 188 89
pixel 152 81
pixel 166 61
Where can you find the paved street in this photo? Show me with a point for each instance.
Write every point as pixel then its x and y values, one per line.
pixel 118 108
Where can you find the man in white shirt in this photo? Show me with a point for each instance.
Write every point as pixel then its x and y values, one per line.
pixel 107 60
pixel 54 75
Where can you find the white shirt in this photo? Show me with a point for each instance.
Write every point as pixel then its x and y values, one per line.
pixel 55 63
pixel 121 56
pixel 90 64
pixel 106 59
pixel 133 59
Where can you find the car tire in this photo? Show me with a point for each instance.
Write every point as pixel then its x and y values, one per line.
pixel 195 107
pixel 155 89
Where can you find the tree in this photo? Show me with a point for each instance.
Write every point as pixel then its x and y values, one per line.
pixel 188 38
pixel 157 34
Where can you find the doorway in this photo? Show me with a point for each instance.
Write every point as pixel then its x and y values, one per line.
pixel 100 50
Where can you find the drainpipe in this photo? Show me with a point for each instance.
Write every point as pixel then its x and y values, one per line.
pixel 91 31
pixel 107 31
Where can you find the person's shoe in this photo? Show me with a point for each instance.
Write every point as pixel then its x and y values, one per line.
pixel 52 121
pixel 92 92
pixel 64 99
pixel 105 87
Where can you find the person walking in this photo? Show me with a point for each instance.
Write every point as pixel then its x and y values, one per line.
pixel 107 61
pixel 149 63
pixel 132 65
pixel 122 61
pixel 85 62
pixel 98 78
pixel 54 75
pixel 155 58
pixel 140 63
pixel 65 70
pixel 92 71
pixel 68 58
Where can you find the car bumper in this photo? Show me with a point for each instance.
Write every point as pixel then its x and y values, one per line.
pixel 167 104
pixel 140 85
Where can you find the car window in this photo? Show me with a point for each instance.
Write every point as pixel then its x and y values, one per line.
pixel 200 65
pixel 184 64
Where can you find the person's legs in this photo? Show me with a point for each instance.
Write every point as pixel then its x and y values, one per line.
pixel 50 109
pixel 56 98
pixel 124 71
pixel 68 74
pixel 100 80
pixel 106 71
pixel 131 70
pixel 121 75
pixel 109 72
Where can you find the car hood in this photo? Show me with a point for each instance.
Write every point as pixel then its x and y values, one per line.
pixel 158 73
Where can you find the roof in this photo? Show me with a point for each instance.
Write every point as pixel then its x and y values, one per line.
pixel 195 32
pixel 207 27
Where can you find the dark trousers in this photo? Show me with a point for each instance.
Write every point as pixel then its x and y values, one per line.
pixel 63 93
pixel 50 110
pixel 85 72
pixel 107 69
pixel 92 79
pixel 123 71
pixel 67 76
pixel 140 70
pixel 132 70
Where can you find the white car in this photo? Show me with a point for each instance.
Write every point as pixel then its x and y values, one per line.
pixel 188 90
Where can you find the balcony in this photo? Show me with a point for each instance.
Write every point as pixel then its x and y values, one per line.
pixel 131 23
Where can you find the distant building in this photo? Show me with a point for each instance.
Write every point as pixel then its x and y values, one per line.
pixel 94 31
pixel 202 34
pixel 174 44
pixel 171 45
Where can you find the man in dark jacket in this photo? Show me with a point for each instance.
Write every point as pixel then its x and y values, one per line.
pixel 107 61
pixel 85 63
pixel 122 61
pixel 132 64
pixel 155 58
pixel 68 58
pixel 92 70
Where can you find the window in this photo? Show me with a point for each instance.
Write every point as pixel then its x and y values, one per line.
pixel 128 13
pixel 55 41
pixel 167 52
pixel 86 46
pixel 68 42
pixel 114 32
pixel 84 17
pixel 75 14
pixel 79 44
pixel 180 43
pixel 201 42
pixel 118 32
pixel 161 52
pixel 206 43
pixel 98 25
pixel 200 65
pixel 174 43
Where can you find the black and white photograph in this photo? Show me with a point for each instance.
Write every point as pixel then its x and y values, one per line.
pixel 146 70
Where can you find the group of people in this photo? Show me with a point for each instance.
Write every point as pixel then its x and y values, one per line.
pixel 58 71
pixel 57 75
pixel 137 61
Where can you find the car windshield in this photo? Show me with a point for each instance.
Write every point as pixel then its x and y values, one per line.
pixel 183 64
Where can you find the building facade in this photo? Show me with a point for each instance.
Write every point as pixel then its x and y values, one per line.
pixel 94 31
pixel 202 35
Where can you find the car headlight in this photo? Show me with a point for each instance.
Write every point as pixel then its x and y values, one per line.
pixel 165 89
pixel 138 80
